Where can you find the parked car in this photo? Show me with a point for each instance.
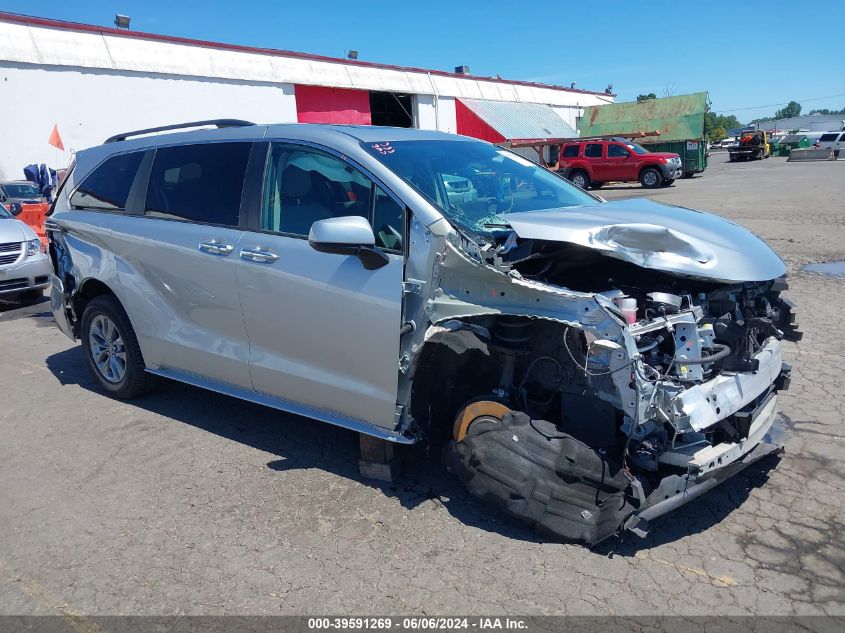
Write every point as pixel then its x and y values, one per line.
pixel 24 268
pixel 833 140
pixel 591 163
pixel 14 193
pixel 579 359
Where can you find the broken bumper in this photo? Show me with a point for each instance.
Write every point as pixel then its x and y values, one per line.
pixel 675 490
pixel 57 304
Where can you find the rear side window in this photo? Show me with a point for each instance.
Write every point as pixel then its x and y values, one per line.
pixel 593 150
pixel 570 151
pixel 107 187
pixel 201 183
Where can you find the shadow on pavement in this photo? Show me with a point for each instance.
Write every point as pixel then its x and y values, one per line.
pixel 11 309
pixel 301 443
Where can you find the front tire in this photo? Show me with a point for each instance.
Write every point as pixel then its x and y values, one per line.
pixel 111 349
pixel 651 178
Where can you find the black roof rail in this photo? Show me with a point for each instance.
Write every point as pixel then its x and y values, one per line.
pixel 220 123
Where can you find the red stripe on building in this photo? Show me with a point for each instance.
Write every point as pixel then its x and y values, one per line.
pixel 318 104
pixel 470 124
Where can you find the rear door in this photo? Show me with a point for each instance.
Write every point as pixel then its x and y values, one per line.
pixel 324 331
pixel 178 262
pixel 594 154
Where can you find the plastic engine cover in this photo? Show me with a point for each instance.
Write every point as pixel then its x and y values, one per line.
pixel 532 471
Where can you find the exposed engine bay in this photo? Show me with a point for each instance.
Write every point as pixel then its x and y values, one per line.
pixel 640 390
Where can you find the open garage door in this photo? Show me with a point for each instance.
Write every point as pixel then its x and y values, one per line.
pixel 321 104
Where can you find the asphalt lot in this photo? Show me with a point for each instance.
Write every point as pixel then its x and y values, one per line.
pixel 188 502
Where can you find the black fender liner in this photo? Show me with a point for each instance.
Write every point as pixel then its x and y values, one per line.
pixel 532 471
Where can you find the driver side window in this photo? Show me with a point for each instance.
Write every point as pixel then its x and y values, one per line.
pixel 303 185
pixel 617 151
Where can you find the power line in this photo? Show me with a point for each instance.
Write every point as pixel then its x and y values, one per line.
pixel 772 105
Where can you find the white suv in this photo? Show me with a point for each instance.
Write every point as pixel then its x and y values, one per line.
pixel 834 140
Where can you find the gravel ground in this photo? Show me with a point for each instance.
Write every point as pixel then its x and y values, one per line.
pixel 188 502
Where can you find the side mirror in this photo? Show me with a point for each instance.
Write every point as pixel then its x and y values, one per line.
pixel 348 235
pixel 2 198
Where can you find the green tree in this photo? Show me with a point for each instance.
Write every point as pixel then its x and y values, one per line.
pixel 826 111
pixel 791 109
pixel 650 95
pixel 714 122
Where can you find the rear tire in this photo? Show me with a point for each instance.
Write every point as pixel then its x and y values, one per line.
pixel 111 349
pixel 580 179
pixel 651 178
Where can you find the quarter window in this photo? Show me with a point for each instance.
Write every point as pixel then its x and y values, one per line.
pixel 593 150
pixel 570 151
pixel 107 187
pixel 302 186
pixel 202 183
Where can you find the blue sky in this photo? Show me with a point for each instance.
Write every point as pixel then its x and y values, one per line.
pixel 738 51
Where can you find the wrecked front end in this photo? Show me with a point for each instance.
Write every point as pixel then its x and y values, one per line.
pixel 587 394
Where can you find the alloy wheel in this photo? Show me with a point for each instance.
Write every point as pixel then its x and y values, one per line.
pixel 107 349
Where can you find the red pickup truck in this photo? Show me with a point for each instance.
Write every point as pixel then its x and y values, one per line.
pixel 591 163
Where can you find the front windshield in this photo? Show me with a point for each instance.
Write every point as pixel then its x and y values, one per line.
pixel 638 149
pixel 4 213
pixel 22 190
pixel 475 184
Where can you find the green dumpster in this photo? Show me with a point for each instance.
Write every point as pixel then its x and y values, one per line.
pixel 792 141
pixel 693 153
pixel 672 124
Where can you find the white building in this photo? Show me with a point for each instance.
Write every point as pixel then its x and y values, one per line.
pixel 807 123
pixel 93 82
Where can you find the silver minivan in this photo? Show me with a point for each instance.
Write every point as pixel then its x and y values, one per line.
pixel 587 365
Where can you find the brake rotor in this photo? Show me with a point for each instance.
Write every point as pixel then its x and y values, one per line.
pixel 475 411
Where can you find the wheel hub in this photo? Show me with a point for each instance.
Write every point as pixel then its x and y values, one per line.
pixel 475 411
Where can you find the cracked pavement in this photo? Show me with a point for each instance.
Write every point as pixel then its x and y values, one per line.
pixel 190 502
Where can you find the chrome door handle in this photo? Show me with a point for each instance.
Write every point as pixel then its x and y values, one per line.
pixel 258 255
pixel 216 248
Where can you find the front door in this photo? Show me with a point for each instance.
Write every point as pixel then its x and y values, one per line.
pixel 620 165
pixel 323 330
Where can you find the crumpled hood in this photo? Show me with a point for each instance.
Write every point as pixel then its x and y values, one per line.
pixel 15 231
pixel 658 236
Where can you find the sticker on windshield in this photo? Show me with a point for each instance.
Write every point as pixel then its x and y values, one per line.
pixel 516 157
pixel 384 148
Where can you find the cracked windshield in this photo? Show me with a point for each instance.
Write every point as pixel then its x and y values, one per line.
pixel 477 185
